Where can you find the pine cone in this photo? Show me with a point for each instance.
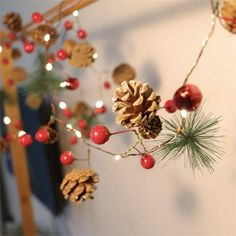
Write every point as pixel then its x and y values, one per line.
pixel 12 21
pixel 18 74
pixel 136 103
pixel 4 145
pixel 16 53
pixel 53 135
pixel 151 129
pixel 78 185
pixel 123 72
pixel 80 108
pixel 68 45
pixel 39 33
pixel 33 101
pixel 228 15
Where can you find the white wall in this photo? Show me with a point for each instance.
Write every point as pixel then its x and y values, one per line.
pixel 161 40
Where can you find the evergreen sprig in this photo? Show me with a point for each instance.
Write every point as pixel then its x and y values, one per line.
pixel 198 143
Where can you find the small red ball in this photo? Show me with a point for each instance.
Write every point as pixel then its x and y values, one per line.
pixel 101 110
pixel 72 83
pixel 68 25
pixel 37 17
pixel 19 125
pixel 170 106
pixel 99 134
pixel 10 82
pixel 29 47
pixel 51 59
pixel 42 135
pixel 12 36
pixel 67 158
pixel 147 161
pixel 62 54
pixel 73 140
pixel 107 85
pixel 82 34
pixel 25 140
pixel 67 112
pixel 188 97
pixel 7 44
pixel 82 124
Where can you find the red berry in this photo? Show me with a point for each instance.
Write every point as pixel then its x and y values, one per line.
pixel 101 110
pixel 72 83
pixel 99 134
pixel 5 61
pixel 67 158
pixel 170 106
pixel 42 135
pixel 8 137
pixel 147 161
pixel 67 112
pixel 29 47
pixel 82 34
pixel 68 25
pixel 51 59
pixel 10 82
pixel 62 54
pixel 82 124
pixel 188 97
pixel 25 140
pixel 19 124
pixel 73 140
pixel 12 36
pixel 37 17
pixel 107 85
pixel 7 44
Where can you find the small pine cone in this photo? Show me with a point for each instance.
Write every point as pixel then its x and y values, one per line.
pixel 39 33
pixel 68 45
pixel 18 74
pixel 12 21
pixel 53 136
pixel 33 101
pixel 4 145
pixel 151 129
pixel 136 103
pixel 80 108
pixel 123 72
pixel 78 185
pixel 228 15
pixel 16 53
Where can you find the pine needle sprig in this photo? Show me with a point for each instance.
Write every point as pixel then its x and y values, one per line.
pixel 199 142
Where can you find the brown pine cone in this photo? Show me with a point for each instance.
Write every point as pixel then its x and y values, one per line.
pixel 80 108
pixel 123 72
pixel 53 135
pixel 78 185
pixel 12 21
pixel 151 129
pixel 33 101
pixel 4 145
pixel 16 53
pixel 136 103
pixel 68 46
pixel 39 33
pixel 228 15
pixel 18 74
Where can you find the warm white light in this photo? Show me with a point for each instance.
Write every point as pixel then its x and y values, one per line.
pixel 69 126
pixel 183 113
pixel 49 66
pixel 95 55
pixel 63 84
pixel 47 37
pixel 75 13
pixel 7 120
pixel 99 104
pixel 117 157
pixel 0 49
pixel 78 133
pixel 21 133
pixel 62 105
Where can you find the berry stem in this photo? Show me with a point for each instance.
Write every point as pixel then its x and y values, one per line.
pixel 123 131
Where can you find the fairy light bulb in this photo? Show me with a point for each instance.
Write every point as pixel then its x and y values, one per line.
pixel 49 66
pixel 0 49
pixel 69 126
pixel 6 120
pixel 78 133
pixel 62 105
pixel 75 13
pixel 117 157
pixel 21 132
pixel 99 104
pixel 95 55
pixel 46 37
pixel 183 113
pixel 63 84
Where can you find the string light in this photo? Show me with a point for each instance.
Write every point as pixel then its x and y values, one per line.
pixel 49 66
pixel 47 37
pixel 63 84
pixel 75 13
pixel 99 104
pixel 0 49
pixel 69 126
pixel 78 133
pixel 183 113
pixel 62 105
pixel 117 157
pixel 7 120
pixel 21 132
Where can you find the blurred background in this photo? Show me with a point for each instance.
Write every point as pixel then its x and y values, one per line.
pixel 161 40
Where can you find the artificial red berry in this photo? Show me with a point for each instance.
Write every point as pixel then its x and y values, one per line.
pixel 51 59
pixel 62 54
pixel 82 124
pixel 29 47
pixel 147 161
pixel 12 36
pixel 25 140
pixel 10 82
pixel 170 106
pixel 72 83
pixel 101 110
pixel 107 85
pixel 8 137
pixel 68 25
pixel 73 140
pixel 67 158
pixel 19 125
pixel 37 17
pixel 67 112
pixel 42 135
pixel 188 97
pixel 99 134
pixel 82 34
pixel 7 44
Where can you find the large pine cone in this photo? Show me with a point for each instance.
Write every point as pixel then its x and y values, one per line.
pixel 228 15
pixel 39 33
pixel 136 103
pixel 151 129
pixel 12 21
pixel 78 185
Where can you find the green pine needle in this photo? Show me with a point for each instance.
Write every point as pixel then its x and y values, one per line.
pixel 199 142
